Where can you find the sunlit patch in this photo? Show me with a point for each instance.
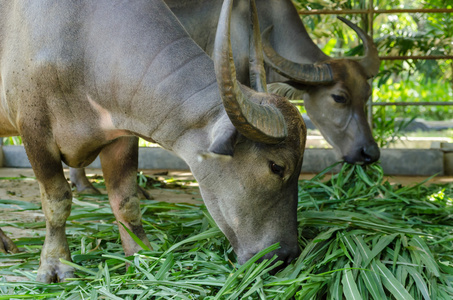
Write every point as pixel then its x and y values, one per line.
pixel 440 197
pixel 105 118
pixel 106 122
pixel 210 155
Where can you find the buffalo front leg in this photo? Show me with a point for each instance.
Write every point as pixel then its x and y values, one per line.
pixel 56 201
pixel 119 164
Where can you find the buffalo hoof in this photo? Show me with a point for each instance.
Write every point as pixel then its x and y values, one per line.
pixel 54 273
pixel 143 194
pixel 90 189
pixel 6 244
pixel 86 189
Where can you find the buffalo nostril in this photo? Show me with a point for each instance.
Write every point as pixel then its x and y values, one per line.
pixel 286 256
pixel 370 153
pixel 292 255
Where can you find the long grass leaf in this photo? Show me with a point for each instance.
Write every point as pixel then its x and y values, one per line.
pixel 76 266
pixel 166 266
pixel 210 233
pixel 229 283
pixel 428 259
pixel 135 238
pixel 111 296
pixel 421 284
pixel 391 283
pixel 350 290
pixel 370 278
pixel 381 245
pixel 38 296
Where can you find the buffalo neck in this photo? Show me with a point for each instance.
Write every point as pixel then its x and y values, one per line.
pixel 154 80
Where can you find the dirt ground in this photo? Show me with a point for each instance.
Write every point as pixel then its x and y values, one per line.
pixel 27 189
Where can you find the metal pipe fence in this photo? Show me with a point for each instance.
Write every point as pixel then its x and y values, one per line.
pixel 371 11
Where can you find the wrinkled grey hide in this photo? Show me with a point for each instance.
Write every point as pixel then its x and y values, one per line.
pixel 336 106
pixel 81 78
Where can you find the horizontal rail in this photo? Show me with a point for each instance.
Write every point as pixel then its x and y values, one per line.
pixel 373 11
pixel 433 103
pixel 424 103
pixel 414 10
pixel 406 57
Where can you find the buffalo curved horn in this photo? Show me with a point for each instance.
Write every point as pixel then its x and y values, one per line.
pixel 256 65
pixel 370 61
pixel 303 73
pixel 260 123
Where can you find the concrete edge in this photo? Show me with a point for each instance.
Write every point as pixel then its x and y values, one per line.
pixel 420 162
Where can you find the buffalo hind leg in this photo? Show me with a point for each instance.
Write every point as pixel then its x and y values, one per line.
pixel 80 181
pixel 56 199
pixel 84 186
pixel 119 164
pixel 6 244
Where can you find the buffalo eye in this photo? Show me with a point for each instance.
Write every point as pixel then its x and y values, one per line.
pixel 276 169
pixel 339 98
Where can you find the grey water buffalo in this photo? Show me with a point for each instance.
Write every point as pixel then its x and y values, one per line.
pixel 79 78
pixel 334 90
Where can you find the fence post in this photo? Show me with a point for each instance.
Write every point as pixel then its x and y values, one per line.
pixel 370 28
pixel 1 152
pixel 447 148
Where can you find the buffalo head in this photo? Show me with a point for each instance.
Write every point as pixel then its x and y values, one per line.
pixel 334 92
pixel 256 150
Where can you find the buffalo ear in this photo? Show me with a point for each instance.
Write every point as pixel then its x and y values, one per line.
pixel 289 89
pixel 224 136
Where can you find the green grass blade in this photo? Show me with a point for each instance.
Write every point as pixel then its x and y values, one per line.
pixel 336 289
pixel 18 204
pixel 210 233
pixel 373 284
pixel 135 238
pixel 426 254
pixel 380 246
pixel 350 290
pixel 38 296
pixel 369 277
pixel 231 280
pixel 76 266
pixel 167 265
pixel 391 283
pixel 111 296
pixel 421 284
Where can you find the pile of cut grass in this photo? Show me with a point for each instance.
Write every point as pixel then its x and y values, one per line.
pixel 361 238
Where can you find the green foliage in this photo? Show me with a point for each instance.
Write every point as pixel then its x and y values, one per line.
pixel 12 141
pixel 389 122
pixel 416 89
pixel 361 238
pixel 386 129
pixel 394 34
